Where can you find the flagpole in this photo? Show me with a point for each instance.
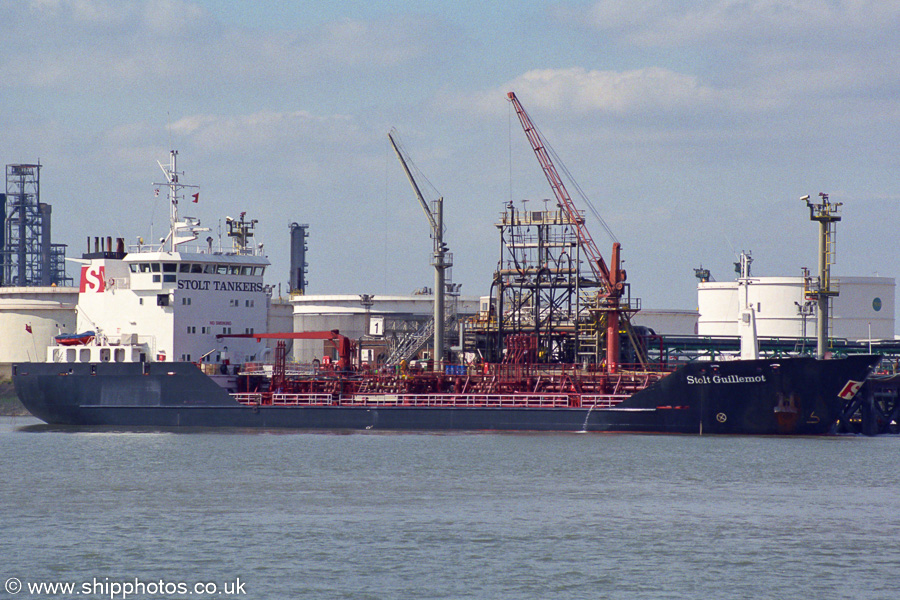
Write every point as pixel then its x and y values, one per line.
pixel 33 343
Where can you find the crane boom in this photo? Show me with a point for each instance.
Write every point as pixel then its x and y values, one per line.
pixel 412 182
pixel 598 265
pixel 439 256
pixel 612 280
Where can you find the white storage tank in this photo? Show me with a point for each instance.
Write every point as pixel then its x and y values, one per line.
pixel 45 311
pixel 864 304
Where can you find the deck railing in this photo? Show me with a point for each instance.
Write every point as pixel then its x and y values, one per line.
pixel 428 400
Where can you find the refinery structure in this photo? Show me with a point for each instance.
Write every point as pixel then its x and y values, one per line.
pixel 297 282
pixel 37 300
pixel 789 312
pixel 28 258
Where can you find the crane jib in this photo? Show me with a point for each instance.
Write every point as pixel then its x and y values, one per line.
pixel 612 280
pixel 609 279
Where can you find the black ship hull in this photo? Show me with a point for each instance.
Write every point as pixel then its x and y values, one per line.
pixel 794 396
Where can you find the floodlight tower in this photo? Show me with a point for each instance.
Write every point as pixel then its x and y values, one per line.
pixel 824 289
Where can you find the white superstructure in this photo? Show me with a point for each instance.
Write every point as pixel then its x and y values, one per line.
pixel 168 302
pixel 175 303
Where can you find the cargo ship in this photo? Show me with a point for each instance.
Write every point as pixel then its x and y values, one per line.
pixel 793 396
pixel 174 337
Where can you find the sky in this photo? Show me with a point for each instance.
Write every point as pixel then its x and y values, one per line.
pixel 692 127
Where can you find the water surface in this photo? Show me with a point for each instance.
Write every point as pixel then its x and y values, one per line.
pixel 401 515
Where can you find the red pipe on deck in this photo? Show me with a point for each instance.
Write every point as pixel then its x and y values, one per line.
pixel 343 342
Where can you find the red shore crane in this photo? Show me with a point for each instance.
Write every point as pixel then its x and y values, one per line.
pixel 611 278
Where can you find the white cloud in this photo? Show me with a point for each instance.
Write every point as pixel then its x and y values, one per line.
pixel 376 44
pixel 765 55
pixel 731 22
pixel 95 12
pixel 576 91
pixel 266 129
pixel 629 91
pixel 172 16
pixel 151 44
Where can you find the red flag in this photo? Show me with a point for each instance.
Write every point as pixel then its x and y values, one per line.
pixel 196 197
pixel 28 328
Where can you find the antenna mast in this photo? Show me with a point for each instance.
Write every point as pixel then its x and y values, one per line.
pixel 175 186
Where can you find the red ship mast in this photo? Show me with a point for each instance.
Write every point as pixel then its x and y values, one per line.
pixel 611 279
